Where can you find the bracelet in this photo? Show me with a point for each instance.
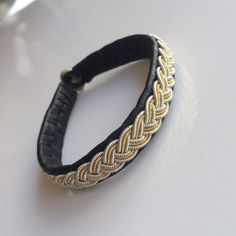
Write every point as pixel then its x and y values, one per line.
pixel 125 143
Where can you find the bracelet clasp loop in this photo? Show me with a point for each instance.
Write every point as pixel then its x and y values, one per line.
pixel 69 78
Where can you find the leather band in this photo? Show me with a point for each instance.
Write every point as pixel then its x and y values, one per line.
pixel 120 52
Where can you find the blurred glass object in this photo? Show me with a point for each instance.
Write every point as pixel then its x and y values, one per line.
pixel 5 6
pixel 11 7
pixel 19 5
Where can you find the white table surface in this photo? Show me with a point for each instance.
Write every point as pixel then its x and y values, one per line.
pixel 183 183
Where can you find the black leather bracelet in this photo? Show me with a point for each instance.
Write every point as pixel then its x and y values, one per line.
pixel 124 144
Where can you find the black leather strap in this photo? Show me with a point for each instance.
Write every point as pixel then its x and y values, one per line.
pixel 120 52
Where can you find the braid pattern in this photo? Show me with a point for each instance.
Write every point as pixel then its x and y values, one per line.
pixel 136 136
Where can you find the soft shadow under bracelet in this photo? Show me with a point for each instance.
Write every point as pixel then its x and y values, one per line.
pixel 125 143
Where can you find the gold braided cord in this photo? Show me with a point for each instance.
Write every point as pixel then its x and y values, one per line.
pixel 135 136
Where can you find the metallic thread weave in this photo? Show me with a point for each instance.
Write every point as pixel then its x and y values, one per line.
pixel 135 136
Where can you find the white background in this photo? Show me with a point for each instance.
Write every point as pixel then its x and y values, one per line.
pixel 183 183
